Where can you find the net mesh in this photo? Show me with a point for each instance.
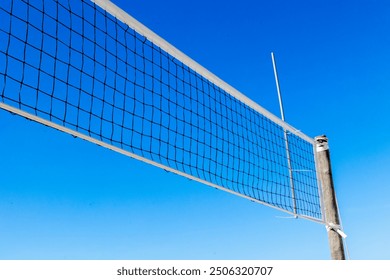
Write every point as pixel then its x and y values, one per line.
pixel 75 65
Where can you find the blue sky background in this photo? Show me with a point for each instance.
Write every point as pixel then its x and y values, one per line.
pixel 64 198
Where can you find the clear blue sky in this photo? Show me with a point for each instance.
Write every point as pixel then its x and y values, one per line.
pixel 64 198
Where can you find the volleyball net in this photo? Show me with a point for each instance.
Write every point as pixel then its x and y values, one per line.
pixel 89 69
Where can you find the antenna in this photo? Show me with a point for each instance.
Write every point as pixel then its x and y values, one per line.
pixel 290 171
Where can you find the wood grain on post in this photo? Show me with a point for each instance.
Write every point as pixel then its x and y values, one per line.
pixel 329 198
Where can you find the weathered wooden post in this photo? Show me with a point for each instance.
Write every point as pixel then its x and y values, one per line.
pixel 331 212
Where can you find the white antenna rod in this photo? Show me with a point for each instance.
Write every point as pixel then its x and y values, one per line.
pixel 278 86
pixel 290 171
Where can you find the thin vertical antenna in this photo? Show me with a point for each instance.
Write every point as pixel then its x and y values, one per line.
pixel 278 86
pixel 285 135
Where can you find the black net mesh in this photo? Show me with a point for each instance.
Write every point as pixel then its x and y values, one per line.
pixel 75 65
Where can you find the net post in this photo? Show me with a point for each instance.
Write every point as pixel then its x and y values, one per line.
pixel 332 219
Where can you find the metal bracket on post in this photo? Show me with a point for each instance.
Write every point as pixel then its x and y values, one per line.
pixel 332 219
pixel 336 228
